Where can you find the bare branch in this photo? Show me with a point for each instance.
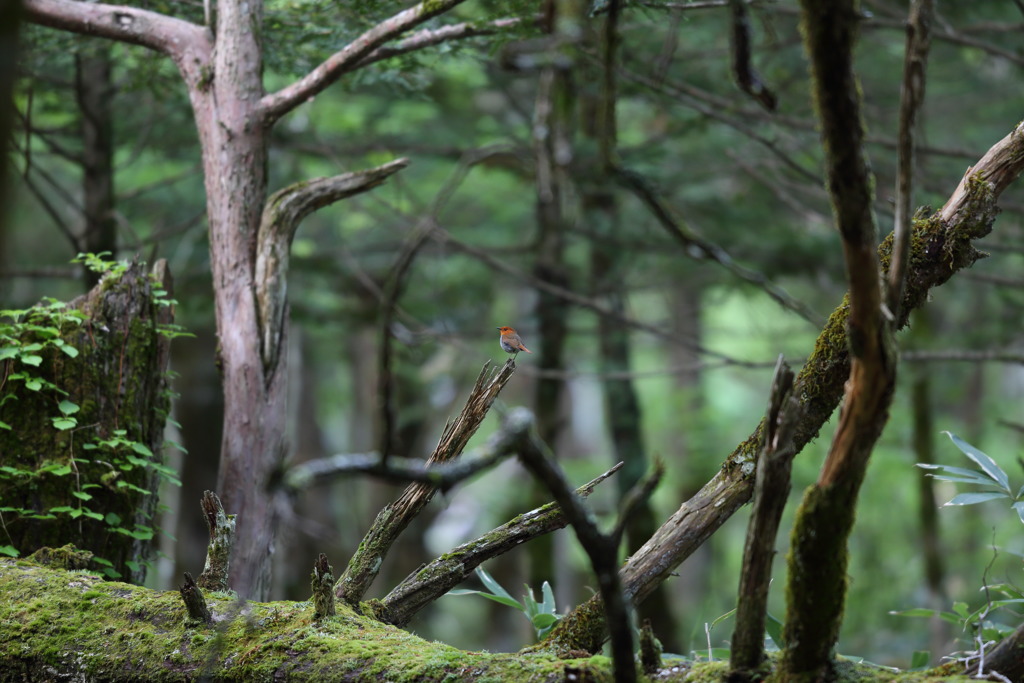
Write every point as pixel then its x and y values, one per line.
pixel 430 37
pixel 275 105
pixel 911 99
pixel 747 78
pixel 602 549
pixel 282 214
pixel 395 469
pixel 438 577
pixel 682 233
pixel 394 518
pixel 168 35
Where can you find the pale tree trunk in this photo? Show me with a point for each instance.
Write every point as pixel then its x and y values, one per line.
pixel 249 238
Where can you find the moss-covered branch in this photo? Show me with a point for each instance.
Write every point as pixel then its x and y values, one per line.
pixel 941 245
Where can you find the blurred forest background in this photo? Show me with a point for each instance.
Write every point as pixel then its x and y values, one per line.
pixel 105 157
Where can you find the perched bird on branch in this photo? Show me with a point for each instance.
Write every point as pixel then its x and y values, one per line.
pixel 510 341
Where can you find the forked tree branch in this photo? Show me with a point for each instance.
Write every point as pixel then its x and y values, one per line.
pixel 275 105
pixel 282 214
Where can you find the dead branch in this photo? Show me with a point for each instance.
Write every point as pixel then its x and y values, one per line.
pixel 218 553
pixel 394 518
pixel 438 577
pixel 282 214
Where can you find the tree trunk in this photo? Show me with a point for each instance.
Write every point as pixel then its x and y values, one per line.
pixel 88 471
pixel 94 90
pixel 234 147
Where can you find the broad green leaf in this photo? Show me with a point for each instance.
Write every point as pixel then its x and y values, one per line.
pixel 544 620
pixel 774 628
pixel 974 498
pixel 929 613
pixel 81 495
pixel 5 353
pixel 987 464
pixel 62 508
pixel 548 606
pixel 67 407
pixel 62 470
pixel 63 423
pixel 4 425
pixel 134 566
pixel 33 384
pixel 103 562
pixel 112 518
pixel 92 515
pixel 32 359
pixel 141 449
pixel 70 351
pixel 9 550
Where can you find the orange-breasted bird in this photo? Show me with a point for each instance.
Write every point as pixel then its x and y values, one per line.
pixel 510 341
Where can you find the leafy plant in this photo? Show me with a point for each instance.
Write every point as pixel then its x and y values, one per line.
pixel 27 337
pixel 542 615
pixel 990 478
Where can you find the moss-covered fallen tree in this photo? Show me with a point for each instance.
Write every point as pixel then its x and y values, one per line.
pixel 58 625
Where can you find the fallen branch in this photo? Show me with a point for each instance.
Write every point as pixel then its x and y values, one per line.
pixel 394 518
pixel 438 577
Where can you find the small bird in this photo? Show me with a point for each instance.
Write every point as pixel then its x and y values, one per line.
pixel 510 341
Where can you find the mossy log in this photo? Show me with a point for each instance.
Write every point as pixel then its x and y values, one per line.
pixel 70 486
pixel 57 625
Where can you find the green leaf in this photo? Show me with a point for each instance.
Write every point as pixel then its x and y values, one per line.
pixel 920 659
pixel 82 496
pixel 548 606
pixel 493 585
pixel 32 359
pixel 774 628
pixel 69 350
pixel 63 423
pixel 112 518
pixel 987 464
pixel 974 498
pixel 63 508
pixel 504 600
pixel 62 470
pixel 5 353
pixel 141 449
pixel 4 425
pixel 33 384
pixel 92 515
pixel 544 620
pixel 103 562
pixel 134 566
pixel 1019 507
pixel 67 407
pixel 9 550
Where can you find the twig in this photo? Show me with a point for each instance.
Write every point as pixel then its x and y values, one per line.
pixel 393 469
pixel 678 230
pixel 911 98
